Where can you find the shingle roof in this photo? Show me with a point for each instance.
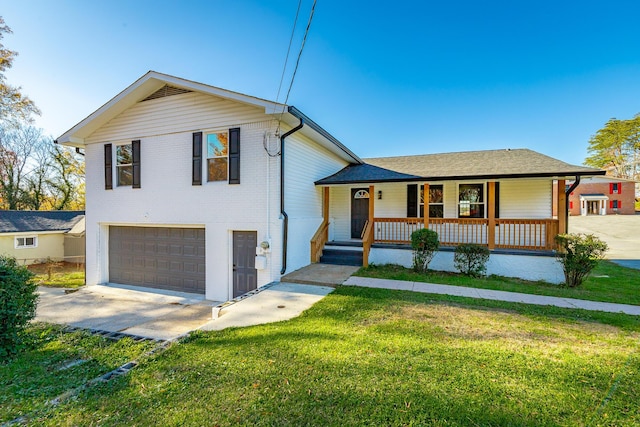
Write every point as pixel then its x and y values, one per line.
pixel 34 221
pixel 510 163
pixel 366 173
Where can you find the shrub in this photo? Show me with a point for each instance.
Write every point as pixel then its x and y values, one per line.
pixel 579 254
pixel 471 259
pixel 18 300
pixel 425 244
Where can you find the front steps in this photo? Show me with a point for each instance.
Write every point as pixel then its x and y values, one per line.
pixel 342 253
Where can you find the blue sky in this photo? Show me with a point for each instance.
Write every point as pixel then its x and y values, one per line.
pixel 386 78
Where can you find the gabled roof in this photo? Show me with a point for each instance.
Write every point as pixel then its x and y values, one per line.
pixel 489 164
pixel 147 86
pixel 38 221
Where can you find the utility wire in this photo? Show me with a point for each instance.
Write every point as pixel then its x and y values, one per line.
pixel 286 59
pixel 304 40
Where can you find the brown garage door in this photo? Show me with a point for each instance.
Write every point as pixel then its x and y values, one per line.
pixel 162 258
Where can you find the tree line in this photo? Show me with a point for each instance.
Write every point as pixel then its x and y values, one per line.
pixel 35 173
pixel 616 148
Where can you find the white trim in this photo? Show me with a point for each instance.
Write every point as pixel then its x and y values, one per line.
pixel 16 245
pixel 484 199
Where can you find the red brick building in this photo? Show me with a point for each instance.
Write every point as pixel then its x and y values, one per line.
pixel 601 195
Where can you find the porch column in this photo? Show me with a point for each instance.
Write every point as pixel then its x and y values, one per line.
pixel 425 198
pixel 325 205
pixel 562 207
pixel 371 203
pixel 491 214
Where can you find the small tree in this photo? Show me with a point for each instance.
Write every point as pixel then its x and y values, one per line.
pixel 579 254
pixel 471 259
pixel 424 243
pixel 18 300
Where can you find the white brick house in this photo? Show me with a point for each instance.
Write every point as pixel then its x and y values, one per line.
pixel 198 189
pixel 155 217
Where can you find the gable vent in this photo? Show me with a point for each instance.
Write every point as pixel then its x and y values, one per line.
pixel 166 90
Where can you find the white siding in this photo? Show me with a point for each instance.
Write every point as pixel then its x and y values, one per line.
pixel 305 163
pixel 177 113
pixel 529 199
pixel 166 196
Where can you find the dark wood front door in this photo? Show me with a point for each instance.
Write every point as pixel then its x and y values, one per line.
pixel 245 275
pixel 359 211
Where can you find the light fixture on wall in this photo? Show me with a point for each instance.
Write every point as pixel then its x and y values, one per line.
pixel 379 194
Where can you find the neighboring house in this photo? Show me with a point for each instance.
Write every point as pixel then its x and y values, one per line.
pixel 33 236
pixel 199 189
pixel 602 195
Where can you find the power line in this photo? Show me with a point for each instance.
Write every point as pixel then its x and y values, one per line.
pixel 286 59
pixel 304 40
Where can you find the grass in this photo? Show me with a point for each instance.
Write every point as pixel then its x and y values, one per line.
pixel 65 275
pixel 608 282
pixel 381 357
pixel 46 369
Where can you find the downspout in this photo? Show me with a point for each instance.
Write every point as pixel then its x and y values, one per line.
pixel 566 195
pixel 285 217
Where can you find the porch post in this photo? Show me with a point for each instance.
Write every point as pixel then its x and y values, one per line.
pixel 491 201
pixel 371 202
pixel 562 207
pixel 425 198
pixel 325 205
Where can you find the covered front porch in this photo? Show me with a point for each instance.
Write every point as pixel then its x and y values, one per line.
pixel 370 214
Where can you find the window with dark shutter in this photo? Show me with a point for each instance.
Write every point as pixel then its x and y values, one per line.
pixel 412 200
pixel 108 169
pixel 196 171
pixel 135 148
pixel 234 156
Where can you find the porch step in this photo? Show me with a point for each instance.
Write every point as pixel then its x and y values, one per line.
pixel 341 256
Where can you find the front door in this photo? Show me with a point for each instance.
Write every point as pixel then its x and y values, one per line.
pixel 245 275
pixel 359 211
pixel 593 207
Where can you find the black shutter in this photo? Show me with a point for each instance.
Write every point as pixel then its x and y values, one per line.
pixel 234 156
pixel 412 200
pixel 135 149
pixel 196 172
pixel 108 167
pixel 497 200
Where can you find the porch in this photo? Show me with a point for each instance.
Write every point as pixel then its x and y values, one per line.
pixel 534 235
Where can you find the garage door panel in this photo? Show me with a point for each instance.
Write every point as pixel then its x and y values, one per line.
pixel 158 257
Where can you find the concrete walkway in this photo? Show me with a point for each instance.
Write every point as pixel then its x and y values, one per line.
pixel 278 302
pixel 492 295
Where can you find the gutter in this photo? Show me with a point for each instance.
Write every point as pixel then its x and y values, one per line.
pixel 285 217
pixel 566 195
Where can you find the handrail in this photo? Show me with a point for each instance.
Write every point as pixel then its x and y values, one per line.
pixel 367 241
pixel 318 241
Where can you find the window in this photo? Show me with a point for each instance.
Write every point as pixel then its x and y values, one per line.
pixel 217 156
pixel 615 204
pixel 436 201
pixel 26 242
pixel 124 165
pixel 615 188
pixel 471 201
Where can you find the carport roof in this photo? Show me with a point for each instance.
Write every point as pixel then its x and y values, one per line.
pixel 38 221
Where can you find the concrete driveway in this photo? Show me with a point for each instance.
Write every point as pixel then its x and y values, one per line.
pixel 621 232
pixel 145 314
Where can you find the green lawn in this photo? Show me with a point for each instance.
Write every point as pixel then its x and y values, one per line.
pixel 64 275
pixel 608 282
pixel 56 362
pixel 380 357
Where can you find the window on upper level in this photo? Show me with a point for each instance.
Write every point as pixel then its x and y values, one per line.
pixel 26 242
pixel 217 156
pixel 124 165
pixel 471 201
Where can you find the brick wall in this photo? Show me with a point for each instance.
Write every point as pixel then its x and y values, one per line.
pixel 625 198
